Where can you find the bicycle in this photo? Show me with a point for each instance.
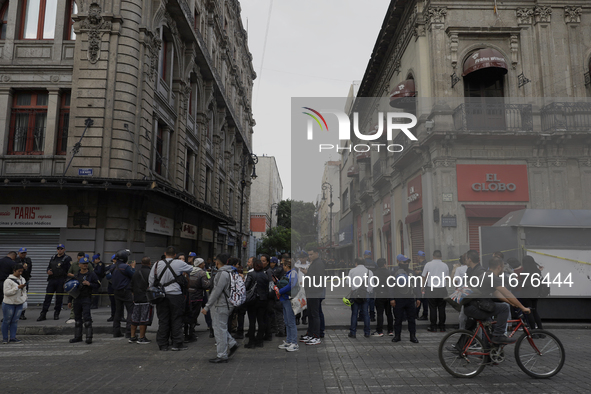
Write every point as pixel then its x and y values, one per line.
pixel 464 353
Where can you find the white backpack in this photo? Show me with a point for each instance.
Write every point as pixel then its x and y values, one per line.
pixel 237 289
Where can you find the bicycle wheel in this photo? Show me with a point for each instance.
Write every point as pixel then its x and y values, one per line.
pixel 462 355
pixel 540 357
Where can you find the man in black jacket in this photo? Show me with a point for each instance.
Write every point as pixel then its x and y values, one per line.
pixel 80 304
pixel 142 310
pixel 28 266
pixel 6 267
pixel 382 294
pixel 57 272
pixel 404 299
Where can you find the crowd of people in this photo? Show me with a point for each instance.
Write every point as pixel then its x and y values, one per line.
pixel 225 293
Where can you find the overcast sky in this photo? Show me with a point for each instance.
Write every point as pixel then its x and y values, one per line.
pixel 314 49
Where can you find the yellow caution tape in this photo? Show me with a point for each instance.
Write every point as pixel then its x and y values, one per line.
pixel 557 257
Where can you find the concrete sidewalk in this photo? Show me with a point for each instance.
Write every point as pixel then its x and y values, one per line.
pixel 336 315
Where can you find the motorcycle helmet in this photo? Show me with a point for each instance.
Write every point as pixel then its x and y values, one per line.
pixel 71 285
pixel 122 255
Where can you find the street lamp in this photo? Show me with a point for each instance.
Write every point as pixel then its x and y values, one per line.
pixel 328 186
pixel 250 159
pixel 276 206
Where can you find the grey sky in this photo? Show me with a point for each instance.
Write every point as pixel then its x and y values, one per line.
pixel 314 49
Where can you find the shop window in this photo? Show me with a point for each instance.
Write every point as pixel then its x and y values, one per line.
pixel 3 20
pixel 28 123
pixel 38 19
pixel 64 124
pixel 71 9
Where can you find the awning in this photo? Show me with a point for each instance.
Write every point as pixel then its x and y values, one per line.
pixel 490 211
pixel 414 217
pixel 485 58
pixel 402 90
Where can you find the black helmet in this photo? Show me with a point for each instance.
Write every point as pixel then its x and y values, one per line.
pixel 122 255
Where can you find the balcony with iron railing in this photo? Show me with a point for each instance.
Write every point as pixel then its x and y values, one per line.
pixel 493 116
pixel 381 176
pixel 565 116
pixel 365 188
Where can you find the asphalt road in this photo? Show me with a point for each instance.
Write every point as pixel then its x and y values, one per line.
pixel 49 364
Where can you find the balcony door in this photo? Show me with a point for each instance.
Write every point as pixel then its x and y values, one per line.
pixel 485 104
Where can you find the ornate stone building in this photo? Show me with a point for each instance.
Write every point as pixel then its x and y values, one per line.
pixel 131 118
pixel 500 92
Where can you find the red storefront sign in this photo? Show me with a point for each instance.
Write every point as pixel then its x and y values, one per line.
pixel 414 196
pixel 499 182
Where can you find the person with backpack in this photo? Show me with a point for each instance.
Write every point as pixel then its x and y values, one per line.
pixel 221 304
pixel 168 274
pixel 288 286
pixel 404 300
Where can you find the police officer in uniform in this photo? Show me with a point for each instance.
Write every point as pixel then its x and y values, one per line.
pixel 404 300
pixel 89 283
pixel 28 267
pixel 57 272
pixel 99 270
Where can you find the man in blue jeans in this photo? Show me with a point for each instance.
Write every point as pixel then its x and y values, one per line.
pixel 360 278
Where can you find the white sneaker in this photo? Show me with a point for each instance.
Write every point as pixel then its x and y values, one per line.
pixel 284 345
pixel 377 334
pixel 305 338
pixel 293 347
pixel 70 321
pixel 314 341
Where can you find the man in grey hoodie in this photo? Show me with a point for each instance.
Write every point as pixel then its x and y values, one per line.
pixel 221 308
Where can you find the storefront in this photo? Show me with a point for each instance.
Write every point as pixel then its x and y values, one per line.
pixel 188 237
pixel 414 219
pixel 206 244
pixel 37 228
pixel 158 230
pixel 489 185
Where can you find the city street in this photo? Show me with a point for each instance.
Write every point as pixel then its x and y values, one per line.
pixel 44 364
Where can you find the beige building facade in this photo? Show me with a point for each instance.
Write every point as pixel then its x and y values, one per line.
pixel 134 115
pixel 500 95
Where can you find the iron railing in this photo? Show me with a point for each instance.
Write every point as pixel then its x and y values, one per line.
pixel 561 116
pixel 493 117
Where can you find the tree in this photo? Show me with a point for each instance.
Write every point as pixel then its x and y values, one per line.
pixel 278 239
pixel 299 216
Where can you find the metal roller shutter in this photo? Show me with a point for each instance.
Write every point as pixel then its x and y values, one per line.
pixel 41 245
pixel 473 233
pixel 416 238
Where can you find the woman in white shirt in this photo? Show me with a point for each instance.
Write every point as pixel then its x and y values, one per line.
pixel 15 295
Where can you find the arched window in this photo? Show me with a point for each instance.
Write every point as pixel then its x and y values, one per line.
pixel 3 20
pixel 484 89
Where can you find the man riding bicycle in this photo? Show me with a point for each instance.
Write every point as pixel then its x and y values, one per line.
pixel 491 286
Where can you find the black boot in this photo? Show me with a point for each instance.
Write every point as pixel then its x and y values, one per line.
pixel 23 317
pixel 42 316
pixel 396 338
pixel 88 326
pixel 56 315
pixel 413 338
pixel 211 334
pixel 305 320
pixel 77 333
pixel 298 322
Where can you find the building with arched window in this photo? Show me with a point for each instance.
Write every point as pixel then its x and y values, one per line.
pixel 500 93
pixel 124 124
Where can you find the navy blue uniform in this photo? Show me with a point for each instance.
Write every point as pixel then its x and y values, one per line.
pixel 83 301
pixel 121 275
pixel 55 283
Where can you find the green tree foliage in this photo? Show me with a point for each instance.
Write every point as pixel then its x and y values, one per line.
pixel 299 216
pixel 278 239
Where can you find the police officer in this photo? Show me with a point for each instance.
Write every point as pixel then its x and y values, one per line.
pixel 89 283
pixel 57 272
pixel 99 270
pixel 110 288
pixel 121 274
pixel 404 300
pixel 28 267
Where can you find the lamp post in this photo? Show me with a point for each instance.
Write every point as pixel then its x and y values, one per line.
pixel 328 186
pixel 276 206
pixel 250 159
